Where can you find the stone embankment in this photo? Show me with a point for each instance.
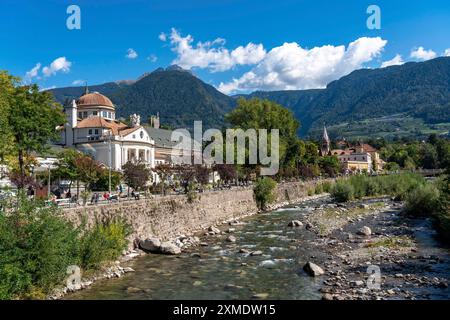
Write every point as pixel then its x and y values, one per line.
pixel 171 217
pixel 166 225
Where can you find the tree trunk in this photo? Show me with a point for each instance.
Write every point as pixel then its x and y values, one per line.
pixel 22 170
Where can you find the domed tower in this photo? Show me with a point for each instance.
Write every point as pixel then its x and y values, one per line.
pixel 95 105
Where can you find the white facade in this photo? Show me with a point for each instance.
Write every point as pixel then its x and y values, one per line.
pixel 92 129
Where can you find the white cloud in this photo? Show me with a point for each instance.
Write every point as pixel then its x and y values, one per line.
pixel 33 73
pixel 131 54
pixel 212 55
pixel 59 64
pixel 152 58
pixel 78 82
pixel 447 53
pixel 162 36
pixel 47 88
pixel 290 66
pixel 422 54
pixel 396 61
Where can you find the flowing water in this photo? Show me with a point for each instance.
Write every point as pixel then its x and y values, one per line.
pixel 220 271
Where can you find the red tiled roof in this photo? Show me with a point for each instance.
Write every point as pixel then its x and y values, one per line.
pixel 98 122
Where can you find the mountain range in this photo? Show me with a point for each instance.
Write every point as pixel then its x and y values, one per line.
pixel 412 99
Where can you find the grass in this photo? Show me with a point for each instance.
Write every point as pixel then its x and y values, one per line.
pixel 392 242
pixel 332 218
pixel 360 186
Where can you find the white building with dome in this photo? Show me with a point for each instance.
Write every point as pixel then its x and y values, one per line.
pixel 92 128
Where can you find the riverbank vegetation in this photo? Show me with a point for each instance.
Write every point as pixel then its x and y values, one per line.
pixel 422 198
pixel 264 192
pixel 37 245
pixel 360 186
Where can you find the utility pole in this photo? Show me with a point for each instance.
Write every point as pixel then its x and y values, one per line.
pixel 109 137
pixel 49 184
pixel 109 156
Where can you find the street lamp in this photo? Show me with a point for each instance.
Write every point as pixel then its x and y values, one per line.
pixel 108 136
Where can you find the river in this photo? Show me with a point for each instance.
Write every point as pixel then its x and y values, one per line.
pixel 220 271
pixel 418 269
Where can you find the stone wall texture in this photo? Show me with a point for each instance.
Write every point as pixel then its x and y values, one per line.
pixel 171 216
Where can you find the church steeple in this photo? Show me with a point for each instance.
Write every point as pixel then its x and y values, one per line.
pixel 86 88
pixel 326 143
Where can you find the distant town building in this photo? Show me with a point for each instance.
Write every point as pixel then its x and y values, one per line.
pixel 356 162
pixel 354 158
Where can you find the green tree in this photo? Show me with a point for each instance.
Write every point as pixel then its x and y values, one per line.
pixel 263 192
pixel 32 120
pixel 264 114
pixel 88 170
pixel 164 171
pixel 429 157
pixel 330 165
pixel 66 167
pixel 7 87
pixel 102 183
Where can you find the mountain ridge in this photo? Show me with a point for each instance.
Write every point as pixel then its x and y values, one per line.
pixel 416 90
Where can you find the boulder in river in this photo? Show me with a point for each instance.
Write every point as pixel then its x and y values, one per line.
pixel 260 296
pixel 214 230
pixel 313 269
pixel 169 248
pixel 268 264
pixel 365 231
pixel 231 239
pixel 256 253
pixel 295 223
pixel 150 244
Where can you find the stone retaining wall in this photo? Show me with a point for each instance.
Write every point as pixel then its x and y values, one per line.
pixel 172 216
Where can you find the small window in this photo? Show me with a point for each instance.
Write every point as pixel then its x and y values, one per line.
pixel 142 134
pixel 134 136
pixel 80 115
pixel 96 131
pixel 85 114
pixel 95 113
pixel 90 131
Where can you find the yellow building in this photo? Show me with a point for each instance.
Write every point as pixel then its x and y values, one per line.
pixel 356 162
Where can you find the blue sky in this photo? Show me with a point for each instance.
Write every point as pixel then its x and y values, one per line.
pixel 245 45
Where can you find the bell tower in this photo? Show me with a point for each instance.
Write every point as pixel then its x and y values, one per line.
pixel 326 144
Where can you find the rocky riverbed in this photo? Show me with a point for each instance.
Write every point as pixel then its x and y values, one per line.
pixel 263 257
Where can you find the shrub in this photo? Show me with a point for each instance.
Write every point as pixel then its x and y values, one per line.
pixel 104 242
pixel 191 194
pixel 394 185
pixel 359 184
pixel 36 247
pixel 318 189
pixel 263 192
pixel 326 186
pixel 422 201
pixel 342 191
